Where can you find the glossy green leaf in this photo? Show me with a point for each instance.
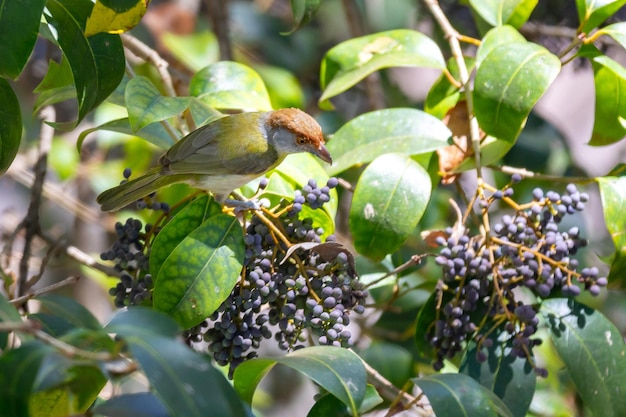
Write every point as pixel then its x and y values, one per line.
pixel 18 372
pixel 146 105
pixel 330 406
pixel 391 360
pixel 195 50
pixel 351 61
pixel 185 381
pixel 593 351
pixel 201 271
pixel 9 314
pixel 10 125
pixel 613 197
pixel 509 377
pixel 509 81
pixel 141 404
pixel 56 87
pixel 370 135
pixel 609 124
pixel 460 395
pixel 97 63
pixel 339 371
pixel 504 12
pixel 230 85
pixel 178 228
pixel 154 133
pixel 389 199
pixel 19 26
pixel 303 11
pixel 283 87
pixel 443 95
pixel 498 36
pixel 591 13
pixel 142 320
pixel 70 310
pixel 115 16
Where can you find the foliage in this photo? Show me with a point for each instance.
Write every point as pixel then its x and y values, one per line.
pixel 374 287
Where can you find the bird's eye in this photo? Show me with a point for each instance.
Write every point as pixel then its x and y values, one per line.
pixel 301 141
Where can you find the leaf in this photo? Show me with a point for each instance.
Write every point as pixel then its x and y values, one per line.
pixel 142 321
pixel 184 380
pixel 303 11
pixel 283 87
pixel 230 85
pixel 18 371
pixel 370 135
pixel 115 16
pixel 351 61
pixel 179 227
pixel 97 63
pixel 460 395
pixel 443 95
pixel 391 360
pixel 141 404
pixel 19 27
pixel 511 378
pixel 330 406
pixel 154 133
pixel 339 371
pixel 509 81
pixel 69 310
pixel 201 271
pixel 146 105
pixel 613 197
pixel 195 50
pixel 609 124
pixel 593 351
pixel 10 125
pixel 617 31
pixel 389 200
pixel 504 12
pixel 498 36
pixel 592 13
pixel 8 313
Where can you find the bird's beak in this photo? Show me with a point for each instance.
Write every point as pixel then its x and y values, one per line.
pixel 323 154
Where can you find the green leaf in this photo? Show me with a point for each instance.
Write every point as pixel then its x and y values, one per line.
pixel 201 271
pixel 613 197
pixel 391 360
pixel 591 13
pixel 509 377
pixel 146 105
pixel 18 371
pixel 19 26
pixel 369 135
pixel 425 320
pixel 502 35
pixel 609 124
pixel 460 395
pixel 230 85
pixel 283 87
pixel 195 50
pixel 443 95
pixel 184 380
pixel 115 16
pixel 142 320
pixel 504 12
pixel 154 133
pixel 141 404
pixel 330 406
pixel 179 227
pixel 97 63
pixel 8 313
pixel 339 371
pixel 509 81
pixel 593 351
pixel 10 125
pixel 351 61
pixel 303 11
pixel 68 309
pixel 389 199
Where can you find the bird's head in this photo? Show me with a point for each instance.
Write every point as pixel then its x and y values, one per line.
pixel 293 131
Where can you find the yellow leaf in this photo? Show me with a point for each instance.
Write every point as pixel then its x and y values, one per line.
pixel 118 20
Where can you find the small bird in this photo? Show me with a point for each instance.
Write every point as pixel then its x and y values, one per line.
pixel 226 154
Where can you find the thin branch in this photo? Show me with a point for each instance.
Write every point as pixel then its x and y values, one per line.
pixel 23 299
pixel 146 53
pixel 218 12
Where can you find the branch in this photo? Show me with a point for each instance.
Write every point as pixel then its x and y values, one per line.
pixel 218 12
pixel 17 302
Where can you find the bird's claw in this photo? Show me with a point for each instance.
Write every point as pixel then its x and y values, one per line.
pixel 240 206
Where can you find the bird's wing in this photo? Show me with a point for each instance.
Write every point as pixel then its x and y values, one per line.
pixel 230 145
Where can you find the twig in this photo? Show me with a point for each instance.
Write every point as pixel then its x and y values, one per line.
pixel 414 260
pixel 218 12
pixel 390 392
pixel 67 281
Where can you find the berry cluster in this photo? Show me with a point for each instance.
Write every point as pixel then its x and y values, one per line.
pixel 285 293
pixel 480 273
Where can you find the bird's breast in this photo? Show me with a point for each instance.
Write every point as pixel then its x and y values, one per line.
pixel 221 184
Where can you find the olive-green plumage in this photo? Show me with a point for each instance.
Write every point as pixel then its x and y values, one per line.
pixel 226 154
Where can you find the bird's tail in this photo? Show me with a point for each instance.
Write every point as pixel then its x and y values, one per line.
pixel 131 191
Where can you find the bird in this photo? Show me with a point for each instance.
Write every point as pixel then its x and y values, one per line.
pixel 226 154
